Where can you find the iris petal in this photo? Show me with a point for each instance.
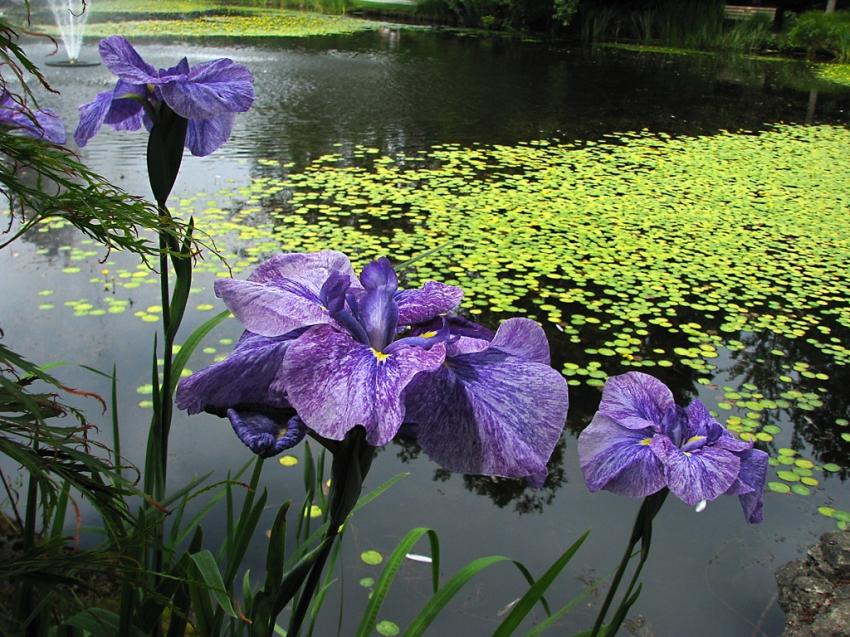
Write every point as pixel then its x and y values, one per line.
pixel 635 400
pixel 210 89
pixel 702 475
pixel 490 413
pixel 123 60
pixel 431 300
pixel 749 487
pixel 523 338
pixel 92 116
pixel 336 383
pixel 205 136
pixel 266 433
pixel 618 459
pixel 244 377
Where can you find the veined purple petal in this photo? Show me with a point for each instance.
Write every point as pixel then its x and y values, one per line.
pixel 92 116
pixel 749 486
pixel 284 292
pixel 309 270
pixel 336 383
pixel 702 475
pixel 123 60
pixel 177 72
pixel 523 338
pixel 431 300
pixel 618 459
pixel 635 400
pixel 243 378
pixel 267 432
pixel 490 413
pixel 465 345
pixel 210 89
pixel 268 310
pixel 205 136
pixel 47 124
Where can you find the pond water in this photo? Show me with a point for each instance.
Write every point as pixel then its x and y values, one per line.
pixel 679 215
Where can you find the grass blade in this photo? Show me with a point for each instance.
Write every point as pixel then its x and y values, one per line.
pixel 191 344
pixel 448 591
pixel 535 593
pixel 382 588
pixel 208 568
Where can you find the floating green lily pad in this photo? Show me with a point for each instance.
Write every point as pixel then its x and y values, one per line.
pixel 778 487
pixel 387 628
pixel 371 557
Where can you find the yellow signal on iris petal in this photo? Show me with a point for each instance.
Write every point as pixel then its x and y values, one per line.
pixel 694 439
pixel 428 335
pixel 380 355
pixel 646 441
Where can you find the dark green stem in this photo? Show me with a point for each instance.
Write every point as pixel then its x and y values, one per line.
pixel 641 533
pixel 351 463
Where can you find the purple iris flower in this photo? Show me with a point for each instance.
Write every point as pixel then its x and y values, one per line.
pixel 640 441
pixel 41 124
pixel 341 351
pixel 208 95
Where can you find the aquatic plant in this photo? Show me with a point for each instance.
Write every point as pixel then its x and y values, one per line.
pixel 640 442
pixel 43 123
pixel 278 24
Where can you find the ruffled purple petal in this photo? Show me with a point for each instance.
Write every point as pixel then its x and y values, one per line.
pixel 523 338
pixel 243 378
pixel 92 116
pixel 465 345
pixel 336 383
pixel 210 89
pixel 619 459
pixel 635 400
pixel 431 300
pixel 47 124
pixel 489 413
pixel 749 486
pixel 307 270
pixel 205 136
pixel 268 310
pixel 266 433
pixel 702 475
pixel 123 60
pixel 284 292
pixel 125 113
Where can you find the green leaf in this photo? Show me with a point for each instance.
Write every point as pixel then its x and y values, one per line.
pixel 524 606
pixel 370 615
pixel 191 344
pixel 99 622
pixel 208 568
pixel 447 592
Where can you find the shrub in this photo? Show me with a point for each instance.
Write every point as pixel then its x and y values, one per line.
pixel 816 31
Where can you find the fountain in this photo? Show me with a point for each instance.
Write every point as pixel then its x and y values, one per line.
pixel 71 16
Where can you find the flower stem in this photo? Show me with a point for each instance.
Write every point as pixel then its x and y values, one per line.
pixel 351 462
pixel 641 533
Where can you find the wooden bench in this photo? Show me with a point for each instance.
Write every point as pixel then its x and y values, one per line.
pixel 739 12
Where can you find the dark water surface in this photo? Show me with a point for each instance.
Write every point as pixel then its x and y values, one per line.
pixel 710 573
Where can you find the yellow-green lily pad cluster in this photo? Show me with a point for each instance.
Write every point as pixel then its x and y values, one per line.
pixel 279 24
pixel 834 72
pixel 639 251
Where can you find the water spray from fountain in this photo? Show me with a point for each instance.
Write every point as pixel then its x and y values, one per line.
pixel 71 16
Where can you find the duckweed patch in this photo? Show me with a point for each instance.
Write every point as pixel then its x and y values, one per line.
pixel 673 255
pixel 279 24
pixel 835 73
